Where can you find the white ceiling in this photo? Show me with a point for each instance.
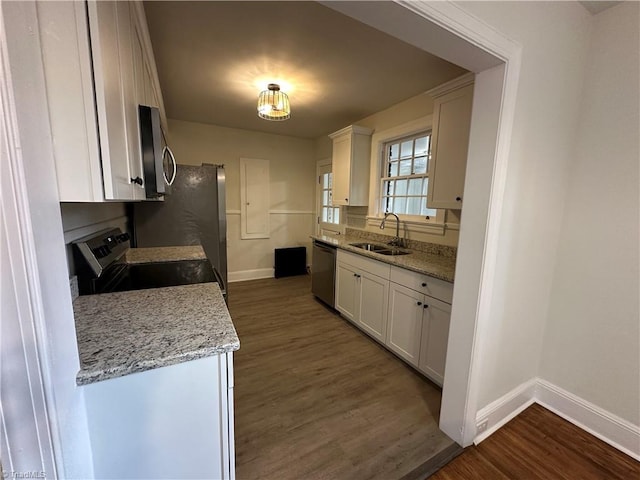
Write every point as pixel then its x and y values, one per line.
pixel 214 57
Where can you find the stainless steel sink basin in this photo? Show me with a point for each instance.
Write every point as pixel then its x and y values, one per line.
pixel 381 249
pixel 393 251
pixel 371 247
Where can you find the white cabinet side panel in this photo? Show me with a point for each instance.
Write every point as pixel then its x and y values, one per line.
pixel 161 423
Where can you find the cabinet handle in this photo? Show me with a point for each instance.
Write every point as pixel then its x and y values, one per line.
pixel 425 306
pixel 419 303
pixel 346 199
pixel 458 199
pixel 137 181
pixel 424 284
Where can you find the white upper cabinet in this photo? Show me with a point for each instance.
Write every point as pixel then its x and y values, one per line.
pixel 450 142
pixel 350 165
pixel 102 50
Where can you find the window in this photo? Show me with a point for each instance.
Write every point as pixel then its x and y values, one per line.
pixel 405 176
pixel 328 213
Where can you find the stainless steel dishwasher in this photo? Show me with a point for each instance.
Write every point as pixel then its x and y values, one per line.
pixel 323 272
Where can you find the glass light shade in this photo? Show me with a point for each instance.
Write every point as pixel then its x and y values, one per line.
pixel 273 104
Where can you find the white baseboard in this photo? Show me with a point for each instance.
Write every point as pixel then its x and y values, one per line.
pixel 499 412
pixel 244 275
pixel 600 423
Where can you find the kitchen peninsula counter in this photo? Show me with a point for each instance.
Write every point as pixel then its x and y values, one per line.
pixel 127 332
pixel 164 254
pixel 432 264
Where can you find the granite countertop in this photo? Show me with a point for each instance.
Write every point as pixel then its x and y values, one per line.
pixel 438 266
pixel 126 332
pixel 164 254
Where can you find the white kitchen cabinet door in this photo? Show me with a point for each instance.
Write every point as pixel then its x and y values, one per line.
pixel 347 299
pixel 110 26
pixel 435 335
pixel 405 322
pixel 374 299
pixel 254 198
pixel 64 37
pixel 450 143
pixel 350 165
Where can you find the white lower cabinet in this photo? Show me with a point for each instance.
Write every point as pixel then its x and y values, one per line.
pixel 405 322
pixel 362 293
pixel 433 340
pixel 408 321
pixel 374 295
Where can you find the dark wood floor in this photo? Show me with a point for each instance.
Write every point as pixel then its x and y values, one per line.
pixel 538 444
pixel 316 399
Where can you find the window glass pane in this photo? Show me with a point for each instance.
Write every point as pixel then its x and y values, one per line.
pixel 422 146
pixel 325 197
pixel 420 165
pixel 387 187
pixel 325 180
pixel 393 169
pixel 393 151
pixel 406 149
pixel 415 186
pixel 325 214
pixel 430 212
pixel 330 215
pixel 401 187
pixel 336 215
pixel 399 205
pixel 425 187
pixel 330 197
pixel 387 204
pixel 330 180
pixel 405 167
pixel 414 205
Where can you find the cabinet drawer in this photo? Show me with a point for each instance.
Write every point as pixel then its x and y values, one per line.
pixel 368 265
pixel 431 286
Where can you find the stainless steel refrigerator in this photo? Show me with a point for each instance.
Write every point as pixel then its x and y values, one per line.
pixel 193 214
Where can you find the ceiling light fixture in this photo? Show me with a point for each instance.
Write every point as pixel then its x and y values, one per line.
pixel 273 104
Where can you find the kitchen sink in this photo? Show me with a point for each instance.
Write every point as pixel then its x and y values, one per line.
pixel 381 249
pixel 371 247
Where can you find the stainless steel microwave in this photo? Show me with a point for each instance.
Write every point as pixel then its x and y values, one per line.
pixel 158 162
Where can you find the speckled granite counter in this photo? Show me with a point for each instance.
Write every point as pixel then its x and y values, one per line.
pixel 434 265
pixel 127 332
pixel 164 254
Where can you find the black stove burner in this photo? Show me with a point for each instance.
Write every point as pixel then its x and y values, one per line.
pixel 125 277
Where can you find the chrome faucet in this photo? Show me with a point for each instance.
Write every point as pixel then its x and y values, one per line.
pixel 395 241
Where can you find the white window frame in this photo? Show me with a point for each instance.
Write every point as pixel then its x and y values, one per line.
pixel 324 228
pixel 433 225
pixel 383 174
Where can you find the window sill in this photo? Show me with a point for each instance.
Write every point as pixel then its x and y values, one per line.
pixel 414 225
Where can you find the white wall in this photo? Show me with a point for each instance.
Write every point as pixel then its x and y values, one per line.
pixel 51 300
pixel 554 38
pixel 592 339
pixel 292 187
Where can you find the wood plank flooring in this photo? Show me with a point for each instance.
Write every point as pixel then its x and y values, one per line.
pixel 316 399
pixel 538 444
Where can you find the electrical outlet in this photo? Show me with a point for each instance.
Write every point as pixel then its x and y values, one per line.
pixel 482 426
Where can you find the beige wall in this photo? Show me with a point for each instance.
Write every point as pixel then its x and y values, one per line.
pixel 292 187
pixel 403 112
pixel 592 338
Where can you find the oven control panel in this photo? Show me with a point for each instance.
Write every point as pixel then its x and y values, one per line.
pixel 101 249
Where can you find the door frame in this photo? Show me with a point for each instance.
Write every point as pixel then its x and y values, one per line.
pixel 450 32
